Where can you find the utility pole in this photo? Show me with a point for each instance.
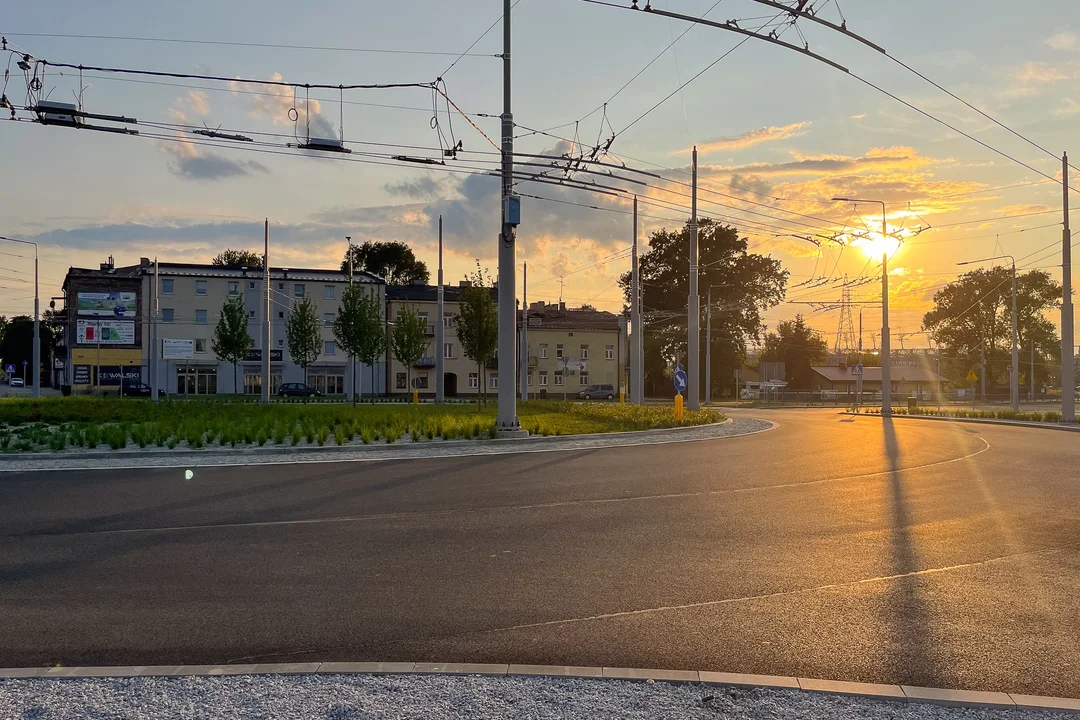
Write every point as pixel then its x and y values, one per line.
pixel 637 375
pixel 1031 380
pixel 352 358
pixel 524 357
pixel 266 322
pixel 37 321
pixel 507 415
pixel 440 331
pixel 1068 359
pixel 858 378
pixel 708 346
pixel 693 391
pixel 155 374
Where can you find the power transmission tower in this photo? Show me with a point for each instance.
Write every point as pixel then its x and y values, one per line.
pixel 846 342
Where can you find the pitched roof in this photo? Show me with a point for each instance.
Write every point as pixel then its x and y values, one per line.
pixel 428 293
pixel 873 374
pixel 554 319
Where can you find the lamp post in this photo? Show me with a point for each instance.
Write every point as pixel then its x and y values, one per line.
pixel 1014 370
pixel 37 321
pixel 886 379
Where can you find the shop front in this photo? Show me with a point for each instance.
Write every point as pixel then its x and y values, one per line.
pixel 105 367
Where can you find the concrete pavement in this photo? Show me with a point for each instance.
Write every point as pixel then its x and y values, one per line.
pixel 841 547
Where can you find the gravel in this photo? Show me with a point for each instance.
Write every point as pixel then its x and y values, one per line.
pixel 393 697
pixel 253 456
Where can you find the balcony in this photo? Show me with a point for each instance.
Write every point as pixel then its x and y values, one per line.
pixel 429 330
pixel 425 362
pixel 533 361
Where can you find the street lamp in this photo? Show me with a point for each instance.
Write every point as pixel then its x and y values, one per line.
pixel 1014 374
pixel 886 379
pixel 37 324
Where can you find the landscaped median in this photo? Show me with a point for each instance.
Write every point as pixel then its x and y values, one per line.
pixel 67 424
pixel 1048 416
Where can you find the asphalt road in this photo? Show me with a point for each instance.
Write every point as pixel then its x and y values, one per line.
pixel 909 551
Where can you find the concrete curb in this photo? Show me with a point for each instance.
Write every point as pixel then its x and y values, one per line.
pixel 871 691
pixel 977 421
pixel 537 440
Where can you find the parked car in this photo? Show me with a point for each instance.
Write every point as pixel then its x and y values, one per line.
pixel 135 389
pixel 16 382
pixel 606 392
pixel 297 390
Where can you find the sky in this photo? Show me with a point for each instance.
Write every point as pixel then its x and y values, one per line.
pixel 772 127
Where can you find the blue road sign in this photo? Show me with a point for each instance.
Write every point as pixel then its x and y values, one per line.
pixel 680 378
pixel 9 368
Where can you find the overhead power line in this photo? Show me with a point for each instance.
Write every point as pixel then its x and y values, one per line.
pixel 477 40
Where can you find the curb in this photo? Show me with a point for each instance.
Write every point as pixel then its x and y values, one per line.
pixel 977 421
pixel 331 449
pixel 871 691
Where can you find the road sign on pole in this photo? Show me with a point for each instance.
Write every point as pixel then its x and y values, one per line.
pixel 9 368
pixel 680 378
pixel 856 369
pixel 971 376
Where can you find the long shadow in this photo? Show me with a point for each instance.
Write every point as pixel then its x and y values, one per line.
pixel 908 613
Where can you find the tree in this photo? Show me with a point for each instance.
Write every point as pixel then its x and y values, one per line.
pixel 408 340
pixel 303 332
pixel 231 342
pixel 477 326
pixel 744 285
pixel 237 259
pixel 357 324
pixel 799 348
pixel 17 343
pixel 394 262
pixel 972 318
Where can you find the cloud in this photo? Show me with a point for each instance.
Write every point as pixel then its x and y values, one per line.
pixel 1040 73
pixel 1063 40
pixel 1069 108
pixel 860 116
pixel 425 188
pixel 285 107
pixel 748 139
pixel 198 102
pixel 894 158
pixel 212 166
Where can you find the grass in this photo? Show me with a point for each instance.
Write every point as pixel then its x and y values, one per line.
pixel 52 424
pixel 1049 416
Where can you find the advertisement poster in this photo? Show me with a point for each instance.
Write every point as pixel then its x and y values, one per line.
pixel 105 332
pixel 172 349
pixel 107 304
pixel 82 375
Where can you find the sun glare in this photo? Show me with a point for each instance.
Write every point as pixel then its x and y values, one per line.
pixel 874 246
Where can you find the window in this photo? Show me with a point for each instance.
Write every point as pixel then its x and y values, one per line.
pixel 543 378
pixel 328 292
pixel 234 289
pixel 448 320
pixel 281 286
pixel 543 350
pixel 196 381
pixel 584 352
pixel 448 350
pixel 609 352
pixel 328 382
pixel 583 379
pixel 402 381
pixel 281 314
pixel 474 380
pixel 251 285
pixel 251 314
pixel 528 379
pixel 281 342
pixel 252 383
pixel 200 287
pixel 328 319
pixel 420 382
pixel 167 315
pixel 493 381
pixel 298 290
pixel 328 347
pixel 558 350
pixel 167 286
pixel 200 317
pixel 558 377
pixel 200 345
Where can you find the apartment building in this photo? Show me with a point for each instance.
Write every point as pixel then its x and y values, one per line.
pixel 460 374
pixel 568 350
pixel 175 349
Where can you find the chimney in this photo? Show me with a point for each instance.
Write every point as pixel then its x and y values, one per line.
pixel 111 263
pixel 144 262
pixel 562 307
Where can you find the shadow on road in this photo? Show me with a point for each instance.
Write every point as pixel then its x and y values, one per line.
pixel 908 613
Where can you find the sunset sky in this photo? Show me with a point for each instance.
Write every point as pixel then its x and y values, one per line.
pixel 768 122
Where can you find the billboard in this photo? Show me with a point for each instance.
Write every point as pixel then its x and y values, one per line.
pixel 172 349
pixel 106 304
pixel 105 332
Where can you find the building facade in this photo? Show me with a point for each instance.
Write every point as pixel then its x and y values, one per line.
pixel 569 350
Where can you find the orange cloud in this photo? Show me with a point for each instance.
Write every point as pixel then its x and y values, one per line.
pixel 748 139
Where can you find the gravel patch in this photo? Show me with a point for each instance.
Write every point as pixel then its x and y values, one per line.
pixel 394 697
pixel 255 456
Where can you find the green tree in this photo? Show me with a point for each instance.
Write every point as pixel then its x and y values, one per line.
pixel 744 285
pixel 477 326
pixel 303 332
pixel 394 262
pixel 358 329
pixel 374 335
pixel 231 342
pixel 409 340
pixel 972 317
pixel 799 348
pixel 17 343
pixel 237 259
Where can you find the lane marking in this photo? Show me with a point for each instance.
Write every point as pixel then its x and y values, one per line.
pixel 783 593
pixel 498 508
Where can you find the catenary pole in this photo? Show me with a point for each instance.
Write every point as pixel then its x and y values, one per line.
pixel 440 331
pixel 1068 357
pixel 693 389
pixel 637 375
pixel 507 415
pixel 524 351
pixel 266 323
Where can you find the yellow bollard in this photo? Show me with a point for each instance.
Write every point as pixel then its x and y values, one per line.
pixel 679 407
pixel 622 397
pixel 415 397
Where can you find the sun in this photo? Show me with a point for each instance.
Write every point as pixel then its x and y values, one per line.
pixel 873 245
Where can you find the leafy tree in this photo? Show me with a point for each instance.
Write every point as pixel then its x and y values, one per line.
pixel 477 325
pixel 358 328
pixel 303 332
pixel 17 343
pixel 798 347
pixel 972 316
pixel 237 259
pixel 408 340
pixel 744 285
pixel 394 262
pixel 231 342
pixel 374 341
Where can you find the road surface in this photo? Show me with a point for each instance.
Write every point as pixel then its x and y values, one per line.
pixel 909 551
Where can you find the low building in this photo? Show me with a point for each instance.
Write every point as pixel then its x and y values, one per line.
pixel 906 378
pixel 569 350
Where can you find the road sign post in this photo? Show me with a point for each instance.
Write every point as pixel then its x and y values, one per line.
pixel 972 378
pixel 856 370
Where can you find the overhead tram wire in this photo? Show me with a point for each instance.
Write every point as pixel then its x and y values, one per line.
pixel 477 40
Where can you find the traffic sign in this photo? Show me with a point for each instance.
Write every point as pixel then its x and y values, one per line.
pixel 680 378
pixel 9 368
pixel 971 376
pixel 856 369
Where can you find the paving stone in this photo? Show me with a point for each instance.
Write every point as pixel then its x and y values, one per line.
pixel 660 675
pixel 1041 702
pixel 576 671
pixel 965 698
pixel 329 668
pixel 724 678
pixel 461 668
pixel 838 687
